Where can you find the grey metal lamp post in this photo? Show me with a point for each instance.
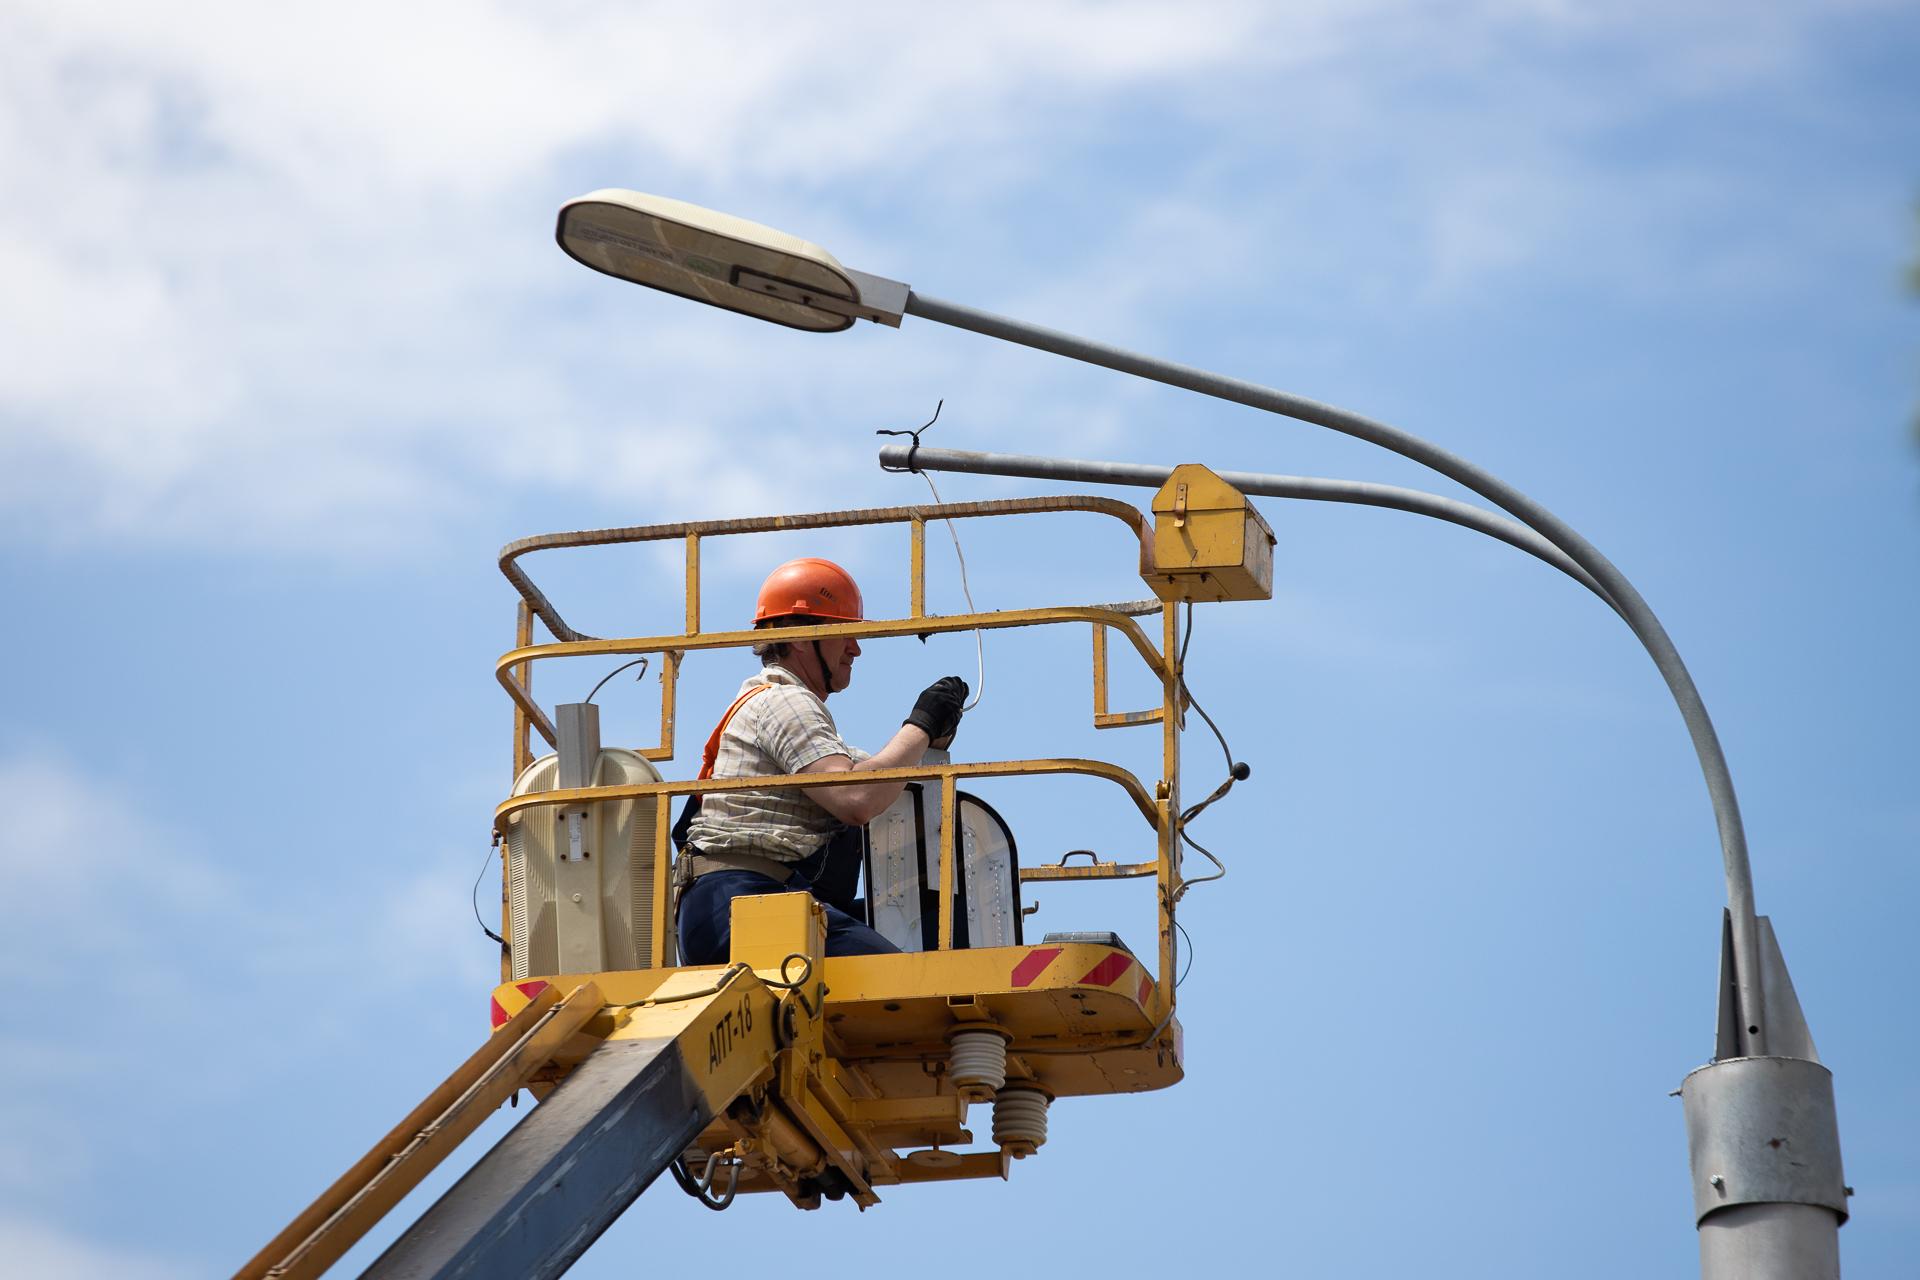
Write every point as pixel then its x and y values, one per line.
pixel 1763 1137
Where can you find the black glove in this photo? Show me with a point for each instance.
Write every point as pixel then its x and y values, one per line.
pixel 938 709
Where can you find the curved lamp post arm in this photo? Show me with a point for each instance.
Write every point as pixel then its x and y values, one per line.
pixel 897 457
pixel 1628 601
pixel 1763 1138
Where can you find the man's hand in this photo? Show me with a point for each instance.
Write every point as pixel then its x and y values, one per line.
pixel 937 713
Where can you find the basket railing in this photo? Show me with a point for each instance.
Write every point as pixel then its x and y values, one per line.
pixel 1158 805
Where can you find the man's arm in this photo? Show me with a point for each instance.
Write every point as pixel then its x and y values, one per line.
pixel 935 715
pixel 859 803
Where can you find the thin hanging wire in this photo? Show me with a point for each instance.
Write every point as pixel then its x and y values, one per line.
pixel 966 589
pixel 474 896
pixel 1237 771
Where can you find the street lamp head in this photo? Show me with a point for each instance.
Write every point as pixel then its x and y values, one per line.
pixel 721 260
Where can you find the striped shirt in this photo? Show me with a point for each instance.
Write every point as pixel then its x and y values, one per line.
pixel 782 730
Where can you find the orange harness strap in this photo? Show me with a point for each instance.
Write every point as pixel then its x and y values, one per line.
pixel 690 865
pixel 712 752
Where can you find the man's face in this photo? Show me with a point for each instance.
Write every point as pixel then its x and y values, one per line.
pixel 838 654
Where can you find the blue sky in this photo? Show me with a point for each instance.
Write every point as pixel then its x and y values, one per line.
pixel 289 353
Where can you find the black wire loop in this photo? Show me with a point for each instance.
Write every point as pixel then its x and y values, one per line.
pixel 913 448
pixel 700 1186
pixel 793 984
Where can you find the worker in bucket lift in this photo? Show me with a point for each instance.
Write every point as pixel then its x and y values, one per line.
pixel 795 839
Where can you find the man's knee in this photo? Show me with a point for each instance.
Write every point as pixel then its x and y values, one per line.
pixel 847 936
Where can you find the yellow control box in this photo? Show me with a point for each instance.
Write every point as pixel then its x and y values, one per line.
pixel 1208 541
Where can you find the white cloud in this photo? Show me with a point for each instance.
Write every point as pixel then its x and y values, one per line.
pixel 280 279
pixel 226 208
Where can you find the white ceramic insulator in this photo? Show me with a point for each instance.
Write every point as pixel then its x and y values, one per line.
pixel 1020 1120
pixel 978 1063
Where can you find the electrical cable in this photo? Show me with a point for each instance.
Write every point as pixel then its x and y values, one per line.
pixel 640 662
pixel 680 1175
pixel 1233 767
pixel 979 641
pixel 473 897
pixel 1189 965
pixel 701 1188
pixel 1205 852
pixel 785 983
pixel 966 590
pixel 1237 771
pixel 719 984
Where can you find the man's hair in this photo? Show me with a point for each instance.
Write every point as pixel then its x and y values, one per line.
pixel 770 651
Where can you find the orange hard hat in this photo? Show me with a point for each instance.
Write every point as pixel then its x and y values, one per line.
pixel 809 588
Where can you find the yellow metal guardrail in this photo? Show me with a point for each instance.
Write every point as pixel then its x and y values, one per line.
pixel 947 775
pixel 516 669
pixel 1159 806
pixel 673 647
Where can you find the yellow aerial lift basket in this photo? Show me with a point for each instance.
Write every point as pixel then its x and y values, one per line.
pixel 785 1069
